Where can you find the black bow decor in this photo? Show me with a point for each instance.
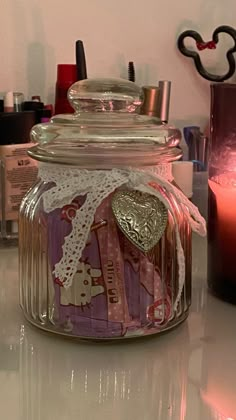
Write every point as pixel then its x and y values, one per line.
pixel 202 45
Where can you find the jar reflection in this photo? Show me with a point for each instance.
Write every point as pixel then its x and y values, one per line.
pixel 9 335
pixel 139 380
pixel 218 367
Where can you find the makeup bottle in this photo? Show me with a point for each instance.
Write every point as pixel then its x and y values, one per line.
pixel 36 98
pixel 17 171
pixel 150 101
pixel 66 76
pixel 164 100
pixel 156 101
pixel 18 98
pixel 8 102
pixel 182 172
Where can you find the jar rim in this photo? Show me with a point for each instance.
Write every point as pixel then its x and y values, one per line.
pixel 90 156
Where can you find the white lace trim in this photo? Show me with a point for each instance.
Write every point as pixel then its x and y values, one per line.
pixel 97 185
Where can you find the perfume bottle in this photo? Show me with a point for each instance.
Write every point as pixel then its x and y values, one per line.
pixel 222 193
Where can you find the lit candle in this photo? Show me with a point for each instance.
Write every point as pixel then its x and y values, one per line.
pixel 222 235
pixel 222 192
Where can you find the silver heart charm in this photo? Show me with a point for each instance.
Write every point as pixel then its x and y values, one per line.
pixel 141 217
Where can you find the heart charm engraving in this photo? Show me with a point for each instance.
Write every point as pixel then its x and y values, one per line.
pixel 141 217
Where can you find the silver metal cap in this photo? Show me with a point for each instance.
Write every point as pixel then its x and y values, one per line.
pixel 164 100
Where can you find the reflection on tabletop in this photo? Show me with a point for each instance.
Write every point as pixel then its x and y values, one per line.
pixel 188 373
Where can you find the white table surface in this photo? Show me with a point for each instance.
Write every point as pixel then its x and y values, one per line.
pixel 189 373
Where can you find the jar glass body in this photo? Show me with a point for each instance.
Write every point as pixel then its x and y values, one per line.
pixel 222 193
pixel 118 291
pixel 103 234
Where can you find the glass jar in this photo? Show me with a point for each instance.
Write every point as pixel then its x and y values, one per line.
pixel 222 193
pixel 105 238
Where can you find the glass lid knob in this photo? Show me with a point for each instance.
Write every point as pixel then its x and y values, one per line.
pixel 105 95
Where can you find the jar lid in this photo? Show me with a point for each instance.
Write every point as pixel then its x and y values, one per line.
pixel 106 129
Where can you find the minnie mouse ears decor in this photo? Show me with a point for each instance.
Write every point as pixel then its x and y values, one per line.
pixel 202 45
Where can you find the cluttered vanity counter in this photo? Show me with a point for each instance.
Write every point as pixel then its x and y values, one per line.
pixel 188 373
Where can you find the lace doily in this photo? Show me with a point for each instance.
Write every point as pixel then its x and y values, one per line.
pixel 96 186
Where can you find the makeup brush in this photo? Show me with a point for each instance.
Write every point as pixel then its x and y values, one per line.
pixel 80 60
pixel 131 71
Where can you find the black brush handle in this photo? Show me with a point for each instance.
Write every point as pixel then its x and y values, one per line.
pixel 80 61
pixel 131 72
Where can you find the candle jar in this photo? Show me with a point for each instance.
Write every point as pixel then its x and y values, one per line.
pixel 105 238
pixel 222 193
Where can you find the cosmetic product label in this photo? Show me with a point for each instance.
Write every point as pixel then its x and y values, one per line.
pixel 18 173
